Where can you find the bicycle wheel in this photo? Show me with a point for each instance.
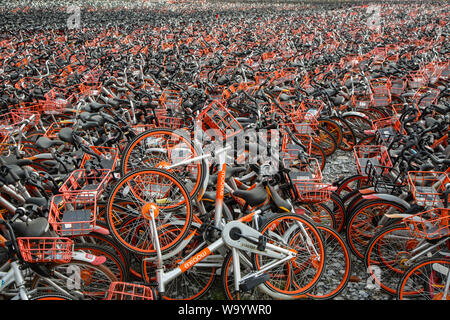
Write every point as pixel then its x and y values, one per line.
pixel 157 148
pixel 107 241
pixel 51 296
pixel 338 266
pixel 374 113
pixel 193 283
pixel 332 127
pixel 112 260
pixel 78 278
pixel 358 123
pixel 130 225
pixel 348 139
pixel 351 184
pixel 366 219
pixel 227 276
pixel 318 153
pixel 426 280
pixel 325 140
pixel 387 256
pixel 320 213
pixel 338 208
pixel 299 275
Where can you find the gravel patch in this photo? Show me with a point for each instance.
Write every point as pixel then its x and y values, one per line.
pixel 342 163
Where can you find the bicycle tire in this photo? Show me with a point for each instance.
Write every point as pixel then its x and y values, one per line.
pixel 98 292
pixel 387 254
pixel 132 217
pixel 51 296
pixel 287 281
pixel 335 245
pixel 333 127
pixel 428 280
pixel 348 139
pixel 161 158
pixel 363 224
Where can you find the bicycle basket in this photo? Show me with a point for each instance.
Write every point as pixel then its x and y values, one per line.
pixel 216 117
pixel 45 249
pixel 73 216
pixel 84 183
pixel 431 224
pixel 130 291
pixel 427 187
pixel 376 154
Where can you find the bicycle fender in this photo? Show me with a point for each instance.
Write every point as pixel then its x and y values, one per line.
pixel 355 113
pixel 101 230
pixel 387 197
pixel 87 257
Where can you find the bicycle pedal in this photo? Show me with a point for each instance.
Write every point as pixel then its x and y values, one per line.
pixel 250 283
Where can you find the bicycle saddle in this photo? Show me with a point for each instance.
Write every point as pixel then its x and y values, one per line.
pixel 45 143
pixel 35 228
pixel 278 201
pixel 95 106
pixel 65 134
pixel 253 197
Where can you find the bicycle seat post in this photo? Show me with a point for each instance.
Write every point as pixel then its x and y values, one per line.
pixel 220 187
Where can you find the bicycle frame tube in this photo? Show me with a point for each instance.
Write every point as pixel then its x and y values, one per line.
pixel 7 205
pixel 220 191
pixel 13 194
pixel 14 275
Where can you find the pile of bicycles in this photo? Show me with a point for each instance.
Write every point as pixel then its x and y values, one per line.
pixel 160 158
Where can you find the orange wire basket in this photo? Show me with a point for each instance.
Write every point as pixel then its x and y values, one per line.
pixel 171 100
pixel 398 86
pixel 427 187
pixel 417 79
pixel 73 215
pixel 430 225
pixel 129 291
pixel 13 120
pixel 308 191
pixel 302 118
pixel 381 101
pixel 56 106
pixel 306 179
pixel 89 88
pixel 381 86
pixel 424 97
pixel 362 102
pixel 377 155
pixel 167 121
pixel 45 249
pixel 216 117
pixel 387 128
pixel 85 184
